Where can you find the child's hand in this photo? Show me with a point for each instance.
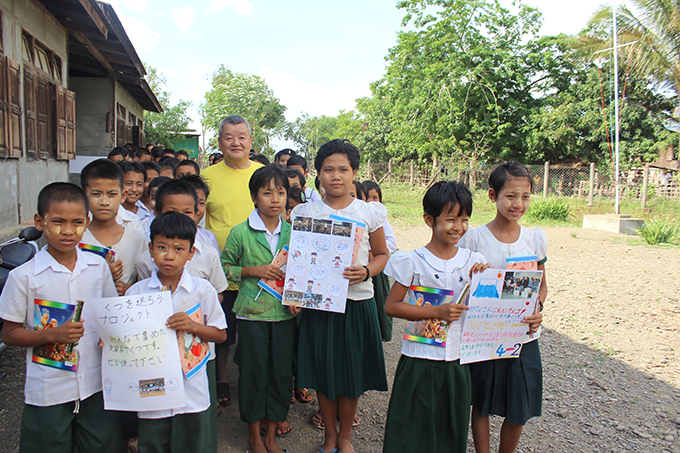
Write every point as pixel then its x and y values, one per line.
pixel 109 257
pixel 478 267
pixel 181 321
pixel 121 287
pixel 100 343
pixel 294 310
pixel 451 312
pixel 268 271
pixel 534 322
pixel 67 333
pixel 116 269
pixel 355 274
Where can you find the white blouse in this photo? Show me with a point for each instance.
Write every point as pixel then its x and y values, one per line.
pixel 422 268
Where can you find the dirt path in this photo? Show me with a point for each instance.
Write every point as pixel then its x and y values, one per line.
pixel 611 368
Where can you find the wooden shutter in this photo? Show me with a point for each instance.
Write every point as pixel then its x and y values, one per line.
pixel 14 95
pixel 135 136
pixel 65 123
pixel 4 108
pixel 120 132
pixel 30 113
pixel 44 115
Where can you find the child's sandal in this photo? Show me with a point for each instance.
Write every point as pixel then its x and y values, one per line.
pixel 223 393
pixel 317 422
pixel 304 395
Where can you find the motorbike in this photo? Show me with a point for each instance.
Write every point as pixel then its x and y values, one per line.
pixel 14 253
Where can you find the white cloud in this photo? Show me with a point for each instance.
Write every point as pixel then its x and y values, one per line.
pixel 143 37
pixel 183 18
pixel 300 97
pixel 242 7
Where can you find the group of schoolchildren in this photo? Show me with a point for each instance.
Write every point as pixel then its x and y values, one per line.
pixel 152 224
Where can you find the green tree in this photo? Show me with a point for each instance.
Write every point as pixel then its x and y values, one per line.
pixel 310 132
pixel 234 93
pixel 167 127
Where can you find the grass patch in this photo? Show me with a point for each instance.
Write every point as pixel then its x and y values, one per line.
pixel 549 209
pixel 659 232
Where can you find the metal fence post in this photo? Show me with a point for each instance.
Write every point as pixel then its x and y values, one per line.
pixel 389 172
pixel 411 177
pixel 546 176
pixel 645 185
pixel 591 192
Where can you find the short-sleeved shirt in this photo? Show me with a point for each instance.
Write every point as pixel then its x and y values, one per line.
pixel 423 268
pixel 44 278
pixel 207 237
pixel 190 291
pixel 371 214
pixel 142 211
pixel 229 202
pixel 128 249
pixel 311 195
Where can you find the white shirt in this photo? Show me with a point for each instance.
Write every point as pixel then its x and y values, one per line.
pixel 142 211
pixel 422 268
pixel 311 195
pixel 372 214
pixel 44 278
pixel 207 237
pixel 205 264
pixel 128 249
pixel 191 290
pixel 390 237
pixel 256 223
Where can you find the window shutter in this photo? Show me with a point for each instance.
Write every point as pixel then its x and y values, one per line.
pixel 120 132
pixel 60 122
pixel 135 136
pixel 14 95
pixel 29 113
pixel 45 117
pixel 4 107
pixel 71 124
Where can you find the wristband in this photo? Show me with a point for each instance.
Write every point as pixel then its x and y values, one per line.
pixel 368 274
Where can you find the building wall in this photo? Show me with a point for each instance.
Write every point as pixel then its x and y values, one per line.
pixel 21 179
pixel 94 99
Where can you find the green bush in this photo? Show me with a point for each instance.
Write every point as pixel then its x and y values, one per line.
pixel 659 232
pixel 549 209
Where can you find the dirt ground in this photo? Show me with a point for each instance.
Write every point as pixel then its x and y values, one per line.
pixel 611 368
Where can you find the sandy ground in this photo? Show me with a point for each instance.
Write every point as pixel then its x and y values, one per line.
pixel 611 369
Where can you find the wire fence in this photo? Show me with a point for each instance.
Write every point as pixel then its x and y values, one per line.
pixel 549 180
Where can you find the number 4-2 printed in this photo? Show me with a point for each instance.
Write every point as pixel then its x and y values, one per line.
pixel 505 350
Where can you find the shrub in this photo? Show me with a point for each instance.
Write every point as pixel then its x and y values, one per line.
pixel 659 232
pixel 549 209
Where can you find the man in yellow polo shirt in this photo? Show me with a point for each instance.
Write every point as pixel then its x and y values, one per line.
pixel 229 204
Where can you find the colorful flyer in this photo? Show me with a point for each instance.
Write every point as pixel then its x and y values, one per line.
pixel 193 352
pixel 431 331
pixel 358 235
pixel 320 250
pixel 97 250
pixel 275 287
pixel 48 315
pixel 522 263
pixel 499 300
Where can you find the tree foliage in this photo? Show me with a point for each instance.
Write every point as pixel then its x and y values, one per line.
pixel 167 127
pixel 234 93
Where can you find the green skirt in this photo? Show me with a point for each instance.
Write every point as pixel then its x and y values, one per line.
pixel 341 354
pixel 381 288
pixel 511 388
pixel 430 407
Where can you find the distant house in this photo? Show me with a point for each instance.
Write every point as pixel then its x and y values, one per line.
pixel 71 88
pixel 188 143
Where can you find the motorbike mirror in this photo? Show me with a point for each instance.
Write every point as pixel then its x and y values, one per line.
pixel 30 234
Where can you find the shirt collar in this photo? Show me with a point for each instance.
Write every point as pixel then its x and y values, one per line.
pixel 142 206
pixel 184 281
pixel 256 223
pixel 43 260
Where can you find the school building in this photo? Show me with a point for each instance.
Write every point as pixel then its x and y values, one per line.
pixel 71 88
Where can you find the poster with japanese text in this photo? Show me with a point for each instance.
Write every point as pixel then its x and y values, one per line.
pixel 499 300
pixel 320 250
pixel 141 368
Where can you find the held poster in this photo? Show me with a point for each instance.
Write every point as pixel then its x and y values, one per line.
pixel 141 367
pixel 320 250
pixel 48 315
pixel 499 300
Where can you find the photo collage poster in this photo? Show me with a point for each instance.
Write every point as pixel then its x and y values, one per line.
pixel 320 250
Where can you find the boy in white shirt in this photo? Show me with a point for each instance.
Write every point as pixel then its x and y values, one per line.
pixel 171 247
pixel 63 410
pixel 102 181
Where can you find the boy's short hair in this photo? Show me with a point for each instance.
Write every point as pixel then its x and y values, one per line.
pixel 186 163
pixel 168 160
pixel 157 152
pixel 118 151
pixel 296 194
pixel 338 146
pixel 297 160
pixel 295 173
pixel 57 192
pixel 283 152
pixel 174 225
pixel 157 182
pixel 445 193
pixel 149 165
pixel 183 153
pixel 505 172
pixel 263 175
pixel 369 185
pixel 197 182
pixel 360 190
pixel 142 152
pixel 261 158
pixel 101 169
pixel 168 152
pixel 174 187
pixel 133 167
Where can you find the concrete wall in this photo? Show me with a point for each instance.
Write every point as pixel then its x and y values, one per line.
pixel 94 99
pixel 123 98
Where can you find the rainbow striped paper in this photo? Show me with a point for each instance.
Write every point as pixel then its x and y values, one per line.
pixel 97 250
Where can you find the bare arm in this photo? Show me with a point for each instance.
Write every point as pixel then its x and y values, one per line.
pixel 356 274
pixel 181 321
pixel 15 334
pixel 395 307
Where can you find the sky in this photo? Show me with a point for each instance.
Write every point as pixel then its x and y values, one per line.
pixel 317 56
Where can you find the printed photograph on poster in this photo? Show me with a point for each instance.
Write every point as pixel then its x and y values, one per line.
pixel 319 251
pixel 142 369
pixel 499 300
pixel 48 315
